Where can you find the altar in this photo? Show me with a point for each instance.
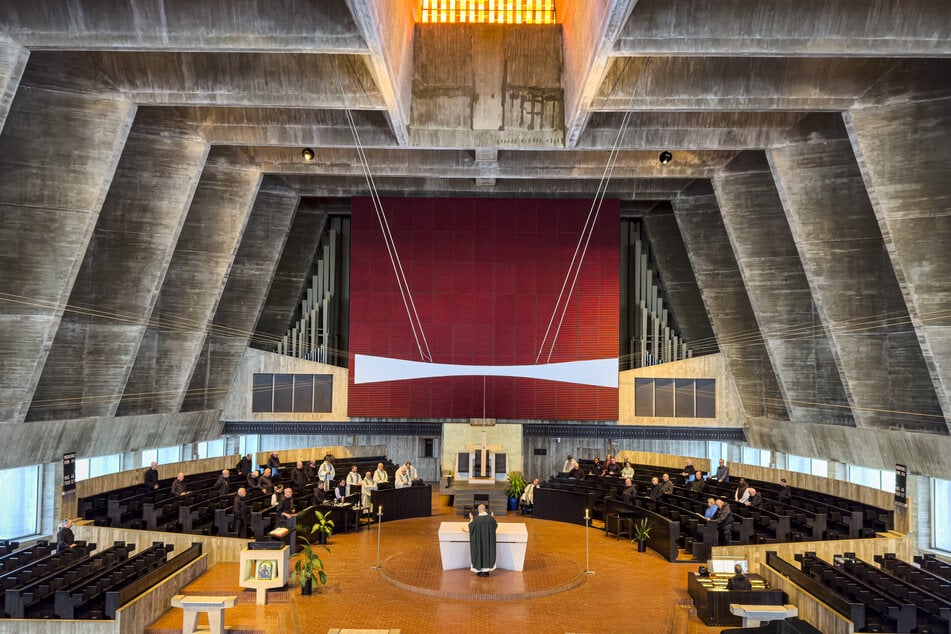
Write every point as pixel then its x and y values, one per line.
pixel 511 544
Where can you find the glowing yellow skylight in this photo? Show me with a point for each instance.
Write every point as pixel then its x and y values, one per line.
pixel 487 11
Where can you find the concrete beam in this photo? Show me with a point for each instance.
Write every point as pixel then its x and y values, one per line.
pixel 674 131
pixel 590 31
pixel 779 293
pixel 452 164
pixel 243 297
pixel 854 286
pixel 901 150
pixel 673 264
pixel 291 80
pixel 482 86
pixel 737 83
pixel 727 302
pixel 293 272
pixel 13 59
pixel 121 273
pixel 191 290
pixel 182 25
pixel 842 28
pixel 387 27
pixel 58 152
pixel 621 188
pixel 47 441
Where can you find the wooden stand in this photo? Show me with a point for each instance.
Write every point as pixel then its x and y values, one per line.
pixel 263 570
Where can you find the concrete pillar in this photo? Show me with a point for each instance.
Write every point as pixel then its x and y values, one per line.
pixel 58 152
pixel 13 59
pixel 903 151
pixel 854 285
pixel 728 305
pixel 192 287
pixel 779 292
pixel 683 294
pixel 121 274
pixel 243 296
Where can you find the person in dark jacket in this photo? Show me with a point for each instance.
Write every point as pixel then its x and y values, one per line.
pixel 240 512
pixel 221 484
pixel 738 581
pixel 64 537
pixel 151 477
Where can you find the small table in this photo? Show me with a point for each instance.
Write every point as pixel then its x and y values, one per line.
pixel 213 606
pixel 755 615
pixel 511 543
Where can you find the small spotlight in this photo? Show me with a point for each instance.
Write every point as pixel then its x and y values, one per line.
pixel 665 157
pixel 308 154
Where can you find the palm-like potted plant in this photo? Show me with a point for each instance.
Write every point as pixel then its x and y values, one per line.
pixel 641 532
pixel 309 568
pixel 323 527
pixel 515 488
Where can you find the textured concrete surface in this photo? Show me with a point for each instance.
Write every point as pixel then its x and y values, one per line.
pixel 133 242
pixel 728 305
pixel 779 293
pixel 479 111
pixel 844 256
pixel 243 297
pixel 195 278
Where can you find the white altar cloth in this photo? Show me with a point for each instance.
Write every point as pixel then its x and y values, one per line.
pixel 511 543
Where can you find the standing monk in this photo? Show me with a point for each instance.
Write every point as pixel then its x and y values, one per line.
pixel 482 542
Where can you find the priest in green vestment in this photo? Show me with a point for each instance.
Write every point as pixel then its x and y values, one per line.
pixel 482 542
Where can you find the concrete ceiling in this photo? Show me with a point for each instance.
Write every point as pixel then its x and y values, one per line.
pixel 142 138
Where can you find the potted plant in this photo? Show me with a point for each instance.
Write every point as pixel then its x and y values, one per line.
pixel 323 527
pixel 308 569
pixel 641 532
pixel 515 488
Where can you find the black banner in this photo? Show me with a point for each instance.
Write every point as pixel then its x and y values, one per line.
pixel 901 481
pixel 69 472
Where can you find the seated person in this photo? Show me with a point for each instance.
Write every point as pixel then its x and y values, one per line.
pixel 742 492
pixel 738 581
pixel 656 489
pixel 723 472
pixel 320 494
pixel 253 478
pixel 628 470
pixel 613 468
pixel 411 471
pixel 340 491
pixel 696 484
pixel 755 499
pixel 178 486
pixel 527 501
pixel 597 468
pixel 629 492
pixel 711 509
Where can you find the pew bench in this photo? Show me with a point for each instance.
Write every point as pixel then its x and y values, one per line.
pixel 214 607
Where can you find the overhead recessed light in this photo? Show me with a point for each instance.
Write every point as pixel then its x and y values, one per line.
pixel 665 157
pixel 308 154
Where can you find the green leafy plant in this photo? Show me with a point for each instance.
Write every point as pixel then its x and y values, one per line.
pixel 309 568
pixel 323 526
pixel 516 485
pixel 641 531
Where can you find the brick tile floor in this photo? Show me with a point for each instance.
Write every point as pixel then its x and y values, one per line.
pixel 628 592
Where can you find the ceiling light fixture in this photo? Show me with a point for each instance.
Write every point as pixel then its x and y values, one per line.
pixel 308 154
pixel 665 157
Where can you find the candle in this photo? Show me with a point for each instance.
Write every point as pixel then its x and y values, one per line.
pixel 586 516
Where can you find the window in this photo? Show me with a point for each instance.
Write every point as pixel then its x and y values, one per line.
pixel 211 448
pixel 940 512
pixel 171 454
pixel 248 444
pixel 758 457
pixel 99 466
pixel 680 398
pixel 875 478
pixel 799 464
pixel 820 468
pixel 716 451
pixel 486 11
pixel 302 393
pixel 149 456
pixel 22 521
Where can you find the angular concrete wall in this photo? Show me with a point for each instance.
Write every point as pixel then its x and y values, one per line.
pixel 58 152
pixel 243 297
pixel 779 292
pixel 192 287
pixel 13 59
pixel 904 151
pixel 121 273
pixel 723 291
pixel 854 285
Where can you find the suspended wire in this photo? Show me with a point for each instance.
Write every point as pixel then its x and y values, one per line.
pixel 409 304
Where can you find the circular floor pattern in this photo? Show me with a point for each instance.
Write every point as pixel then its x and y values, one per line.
pixel 421 571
